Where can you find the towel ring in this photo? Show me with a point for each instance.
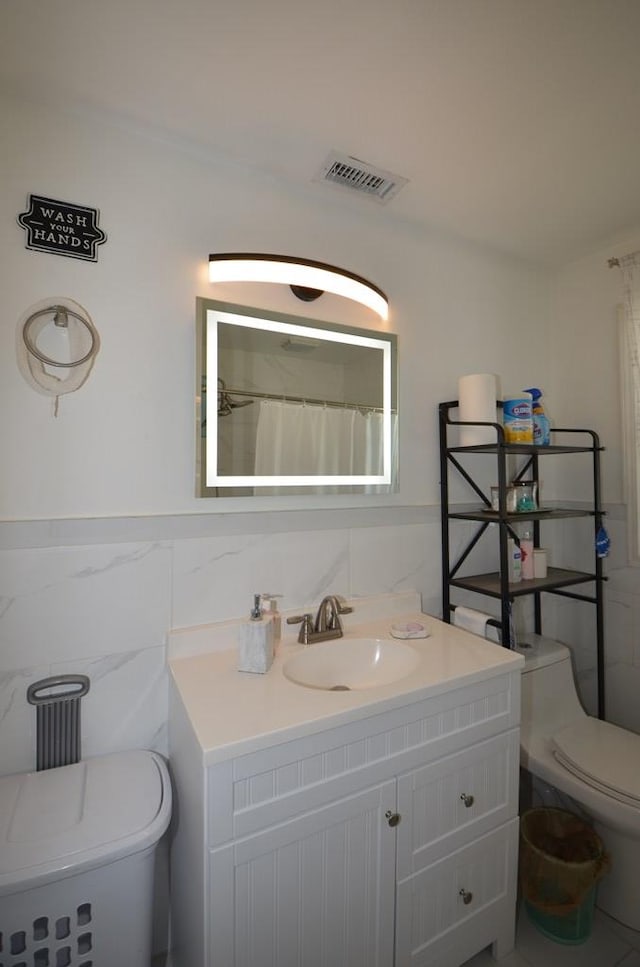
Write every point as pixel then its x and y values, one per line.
pixel 60 319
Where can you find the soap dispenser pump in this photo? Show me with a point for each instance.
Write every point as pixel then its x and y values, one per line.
pixel 255 641
pixel 256 611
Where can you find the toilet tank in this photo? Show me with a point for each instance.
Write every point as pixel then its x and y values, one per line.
pixel 549 697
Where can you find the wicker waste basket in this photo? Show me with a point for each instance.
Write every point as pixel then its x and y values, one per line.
pixel 561 861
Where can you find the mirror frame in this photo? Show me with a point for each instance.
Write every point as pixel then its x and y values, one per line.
pixel 209 314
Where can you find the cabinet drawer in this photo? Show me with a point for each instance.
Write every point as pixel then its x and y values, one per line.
pixel 457 906
pixel 446 804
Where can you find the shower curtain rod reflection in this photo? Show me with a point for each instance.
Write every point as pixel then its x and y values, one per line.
pixel 614 263
pixel 286 398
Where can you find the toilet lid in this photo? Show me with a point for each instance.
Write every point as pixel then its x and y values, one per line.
pixel 602 755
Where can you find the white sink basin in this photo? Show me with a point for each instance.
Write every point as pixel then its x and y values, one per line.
pixel 351 663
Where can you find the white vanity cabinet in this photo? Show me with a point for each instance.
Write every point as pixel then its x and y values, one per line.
pixel 387 841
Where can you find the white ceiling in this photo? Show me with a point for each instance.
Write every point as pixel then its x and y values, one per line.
pixel 517 122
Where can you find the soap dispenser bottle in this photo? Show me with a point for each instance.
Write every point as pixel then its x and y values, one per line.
pixel 270 609
pixel 255 641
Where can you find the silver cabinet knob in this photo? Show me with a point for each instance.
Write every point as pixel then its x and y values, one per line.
pixel 467 799
pixel 466 895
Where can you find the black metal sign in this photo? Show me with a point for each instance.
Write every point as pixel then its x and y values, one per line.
pixel 61 228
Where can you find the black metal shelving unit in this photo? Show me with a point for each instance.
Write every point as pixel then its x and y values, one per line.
pixel 497 585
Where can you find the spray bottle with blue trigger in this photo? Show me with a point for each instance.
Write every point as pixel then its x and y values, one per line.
pixel 541 427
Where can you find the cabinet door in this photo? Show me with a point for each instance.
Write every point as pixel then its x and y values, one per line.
pixel 317 891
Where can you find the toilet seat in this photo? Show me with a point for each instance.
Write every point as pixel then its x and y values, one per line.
pixel 603 756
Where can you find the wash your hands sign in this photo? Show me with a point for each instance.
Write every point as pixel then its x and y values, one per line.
pixel 62 228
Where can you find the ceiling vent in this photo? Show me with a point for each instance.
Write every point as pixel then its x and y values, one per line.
pixel 361 177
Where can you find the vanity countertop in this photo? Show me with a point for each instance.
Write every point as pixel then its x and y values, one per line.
pixel 235 713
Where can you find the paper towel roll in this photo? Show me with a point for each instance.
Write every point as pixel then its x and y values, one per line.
pixel 470 620
pixel 477 396
pixel 477 622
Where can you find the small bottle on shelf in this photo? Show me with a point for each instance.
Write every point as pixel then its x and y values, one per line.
pixel 526 551
pixel 514 562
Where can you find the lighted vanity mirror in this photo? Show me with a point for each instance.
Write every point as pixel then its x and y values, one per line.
pixel 300 406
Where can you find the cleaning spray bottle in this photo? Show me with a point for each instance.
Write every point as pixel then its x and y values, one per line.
pixel 541 434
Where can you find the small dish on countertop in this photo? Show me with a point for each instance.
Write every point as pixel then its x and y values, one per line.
pixel 413 629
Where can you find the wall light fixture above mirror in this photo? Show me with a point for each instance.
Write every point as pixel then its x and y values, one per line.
pixel 300 406
pixel 305 274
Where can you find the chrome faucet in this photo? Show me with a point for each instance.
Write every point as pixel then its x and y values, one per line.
pixel 327 623
pixel 328 617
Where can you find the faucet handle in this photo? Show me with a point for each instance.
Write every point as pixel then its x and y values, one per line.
pixel 306 626
pixel 343 608
pixel 338 607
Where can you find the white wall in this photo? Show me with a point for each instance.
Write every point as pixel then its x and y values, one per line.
pixel 584 360
pixel 104 546
pixel 124 444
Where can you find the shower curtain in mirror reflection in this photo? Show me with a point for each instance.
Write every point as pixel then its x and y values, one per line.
pixel 302 438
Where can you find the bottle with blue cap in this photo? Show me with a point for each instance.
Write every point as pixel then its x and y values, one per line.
pixel 541 427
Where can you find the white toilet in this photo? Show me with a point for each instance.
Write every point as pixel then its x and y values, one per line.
pixel 594 762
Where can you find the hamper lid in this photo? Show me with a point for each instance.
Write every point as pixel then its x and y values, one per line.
pixel 61 821
pixel 602 755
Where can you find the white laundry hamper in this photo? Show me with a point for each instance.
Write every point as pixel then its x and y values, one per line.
pixel 77 850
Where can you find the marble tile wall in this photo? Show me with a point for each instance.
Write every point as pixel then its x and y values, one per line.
pixel 99 610
pixel 99 597
pixel 103 608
